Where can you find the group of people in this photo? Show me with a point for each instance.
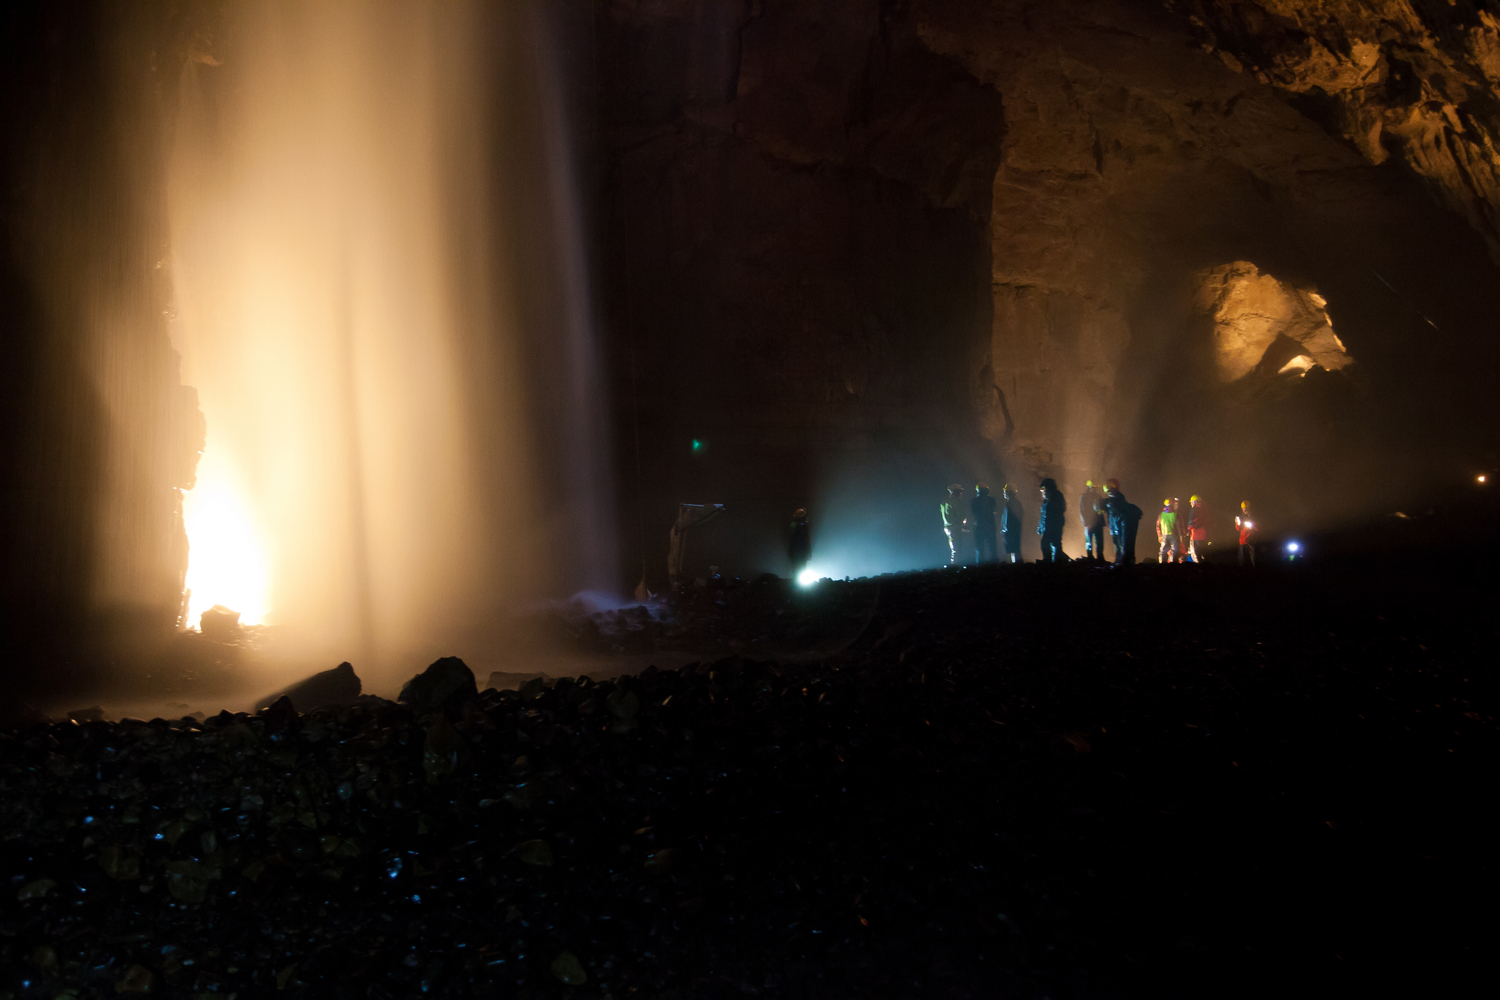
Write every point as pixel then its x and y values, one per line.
pixel 1182 536
pixel 974 534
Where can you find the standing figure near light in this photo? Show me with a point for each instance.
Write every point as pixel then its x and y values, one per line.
pixel 1010 523
pixel 1198 525
pixel 799 543
pixel 1050 524
pixel 1124 520
pixel 1248 530
pixel 1166 533
pixel 982 510
pixel 956 526
pixel 1091 513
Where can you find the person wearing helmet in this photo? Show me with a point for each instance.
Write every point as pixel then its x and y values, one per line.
pixel 1248 530
pixel 1091 513
pixel 1050 524
pixel 799 545
pixel 1010 523
pixel 956 526
pixel 1166 533
pixel 1124 521
pixel 982 517
pixel 1198 523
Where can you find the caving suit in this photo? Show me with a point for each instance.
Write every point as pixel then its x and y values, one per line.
pixel 982 509
pixel 1166 536
pixel 1010 527
pixel 1050 526
pixel 1091 513
pixel 1124 520
pixel 954 526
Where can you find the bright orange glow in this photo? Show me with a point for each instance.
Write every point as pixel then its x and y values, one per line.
pixel 226 564
pixel 339 308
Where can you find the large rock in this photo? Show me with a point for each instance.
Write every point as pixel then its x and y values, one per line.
pixel 339 686
pixel 448 682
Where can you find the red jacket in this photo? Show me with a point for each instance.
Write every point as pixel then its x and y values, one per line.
pixel 1198 523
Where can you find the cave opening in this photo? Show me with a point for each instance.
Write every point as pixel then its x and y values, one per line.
pixel 1263 325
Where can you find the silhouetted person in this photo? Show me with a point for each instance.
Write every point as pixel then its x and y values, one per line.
pixel 1248 530
pixel 1198 525
pixel 1124 520
pixel 1010 523
pixel 956 526
pixel 1050 525
pixel 1091 513
pixel 799 542
pixel 982 519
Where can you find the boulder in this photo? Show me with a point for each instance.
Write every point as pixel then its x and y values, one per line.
pixel 447 683
pixel 505 680
pixel 220 624
pixel 339 686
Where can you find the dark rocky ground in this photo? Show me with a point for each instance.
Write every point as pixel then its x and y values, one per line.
pixel 1174 781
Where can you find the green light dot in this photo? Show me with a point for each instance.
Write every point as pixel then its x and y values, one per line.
pixel 697 445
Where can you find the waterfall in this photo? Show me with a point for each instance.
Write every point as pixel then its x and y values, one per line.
pixel 354 278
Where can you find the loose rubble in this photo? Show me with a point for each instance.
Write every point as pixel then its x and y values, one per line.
pixel 1004 782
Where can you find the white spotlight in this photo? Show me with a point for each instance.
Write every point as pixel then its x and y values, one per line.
pixel 1294 547
pixel 807 577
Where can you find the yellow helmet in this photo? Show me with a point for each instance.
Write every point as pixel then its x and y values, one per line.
pixel 1089 483
pixel 1194 498
pixel 1244 505
pixel 1167 502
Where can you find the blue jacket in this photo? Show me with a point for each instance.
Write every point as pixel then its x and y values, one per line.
pixel 1010 521
pixel 1124 516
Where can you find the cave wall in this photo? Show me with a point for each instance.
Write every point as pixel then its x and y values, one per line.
pixel 795 200
pixel 1137 155
pixel 99 437
pixel 755 156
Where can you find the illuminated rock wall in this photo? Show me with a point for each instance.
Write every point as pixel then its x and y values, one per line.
pixel 1134 155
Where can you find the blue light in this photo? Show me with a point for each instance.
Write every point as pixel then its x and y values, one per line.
pixel 807 577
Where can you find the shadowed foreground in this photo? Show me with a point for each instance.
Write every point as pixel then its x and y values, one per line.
pixel 1180 781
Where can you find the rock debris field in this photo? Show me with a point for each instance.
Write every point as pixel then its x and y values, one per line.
pixel 1172 781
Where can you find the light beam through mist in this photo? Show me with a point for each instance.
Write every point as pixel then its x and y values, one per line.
pixel 345 308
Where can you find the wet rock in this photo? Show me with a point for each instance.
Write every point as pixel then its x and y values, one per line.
pixel 504 680
pixel 336 687
pixel 447 683
pixel 219 624
pixel 280 714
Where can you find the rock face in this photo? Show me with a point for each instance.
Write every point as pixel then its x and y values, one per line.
pixel 796 199
pixel 1260 323
pixel 1406 80
pixel 781 186
pixel 446 683
pixel 97 436
pixel 339 686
